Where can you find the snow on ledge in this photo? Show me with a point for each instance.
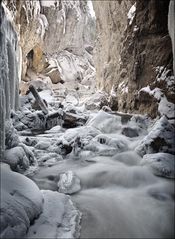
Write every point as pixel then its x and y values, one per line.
pixel 131 13
pixel 91 9
pixel 157 93
pixel 165 107
pixel 47 3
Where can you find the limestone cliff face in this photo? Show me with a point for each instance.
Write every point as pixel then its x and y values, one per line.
pixel 69 40
pixel 133 44
pixel 68 22
pixel 60 31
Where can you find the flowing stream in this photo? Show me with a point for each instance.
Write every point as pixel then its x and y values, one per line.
pixel 119 198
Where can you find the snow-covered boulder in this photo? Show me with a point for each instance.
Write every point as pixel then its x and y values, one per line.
pixel 106 123
pixel 21 202
pixel 69 183
pixel 60 219
pixel 162 164
pixel 17 159
pixel 159 139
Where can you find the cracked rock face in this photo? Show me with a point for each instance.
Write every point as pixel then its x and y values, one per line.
pixel 132 42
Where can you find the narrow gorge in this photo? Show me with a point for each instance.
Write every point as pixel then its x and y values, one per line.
pixel 87 119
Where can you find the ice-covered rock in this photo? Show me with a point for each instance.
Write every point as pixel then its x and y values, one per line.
pixel 162 164
pixel 60 219
pixel 159 139
pixel 96 101
pixel 69 183
pixel 31 120
pixel 106 146
pixel 86 133
pixel 11 135
pixel 17 159
pixel 21 203
pixel 130 132
pixel 106 123
pixel 43 145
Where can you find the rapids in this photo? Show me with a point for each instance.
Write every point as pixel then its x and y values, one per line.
pixel 119 198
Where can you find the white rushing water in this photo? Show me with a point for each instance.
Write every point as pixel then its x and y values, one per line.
pixel 117 195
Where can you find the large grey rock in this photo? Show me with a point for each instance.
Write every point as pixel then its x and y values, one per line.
pixel 162 164
pixel 21 203
pixel 159 139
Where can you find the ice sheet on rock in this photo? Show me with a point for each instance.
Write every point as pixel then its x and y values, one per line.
pixel 162 164
pixel 105 122
pixel 21 203
pixel 159 139
pixel 69 183
pixel 60 219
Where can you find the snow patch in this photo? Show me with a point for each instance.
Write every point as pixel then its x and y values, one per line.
pixel 91 9
pixel 48 3
pixel 131 13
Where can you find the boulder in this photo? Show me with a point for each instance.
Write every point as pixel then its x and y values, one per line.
pixel 162 164
pixel 159 139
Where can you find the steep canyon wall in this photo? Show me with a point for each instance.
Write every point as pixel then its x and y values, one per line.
pixel 133 51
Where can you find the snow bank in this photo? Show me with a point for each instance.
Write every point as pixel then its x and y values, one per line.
pixel 21 203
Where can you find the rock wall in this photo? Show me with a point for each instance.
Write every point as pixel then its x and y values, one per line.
pixel 69 40
pixel 132 45
pixel 171 27
pixel 60 31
